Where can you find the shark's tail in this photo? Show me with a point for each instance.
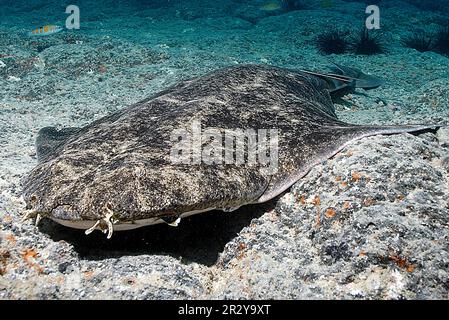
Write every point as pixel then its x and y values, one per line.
pixel 343 77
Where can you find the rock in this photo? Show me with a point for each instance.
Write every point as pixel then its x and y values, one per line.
pixel 443 137
pixel 369 223
pixel 13 78
pixel 65 267
pixel 445 163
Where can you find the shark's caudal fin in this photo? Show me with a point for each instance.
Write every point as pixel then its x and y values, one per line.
pixel 360 131
pixel 343 77
pixel 49 139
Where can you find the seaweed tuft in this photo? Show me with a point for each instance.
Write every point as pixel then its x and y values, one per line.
pixel 420 41
pixel 442 40
pixel 368 43
pixel 332 42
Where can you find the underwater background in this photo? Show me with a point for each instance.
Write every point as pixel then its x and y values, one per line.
pixel 125 51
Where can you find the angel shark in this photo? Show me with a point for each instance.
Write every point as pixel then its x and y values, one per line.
pixel 117 174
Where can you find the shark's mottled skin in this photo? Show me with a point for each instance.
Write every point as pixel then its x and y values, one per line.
pixel 119 166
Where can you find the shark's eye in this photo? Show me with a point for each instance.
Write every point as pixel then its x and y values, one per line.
pixel 33 198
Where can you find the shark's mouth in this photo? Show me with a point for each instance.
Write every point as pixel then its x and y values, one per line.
pixel 108 224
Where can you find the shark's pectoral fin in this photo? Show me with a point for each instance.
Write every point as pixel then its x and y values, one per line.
pixel 321 145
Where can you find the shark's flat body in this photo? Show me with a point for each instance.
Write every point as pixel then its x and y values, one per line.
pixel 117 174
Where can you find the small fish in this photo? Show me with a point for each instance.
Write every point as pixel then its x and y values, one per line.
pixel 45 30
pixel 271 6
